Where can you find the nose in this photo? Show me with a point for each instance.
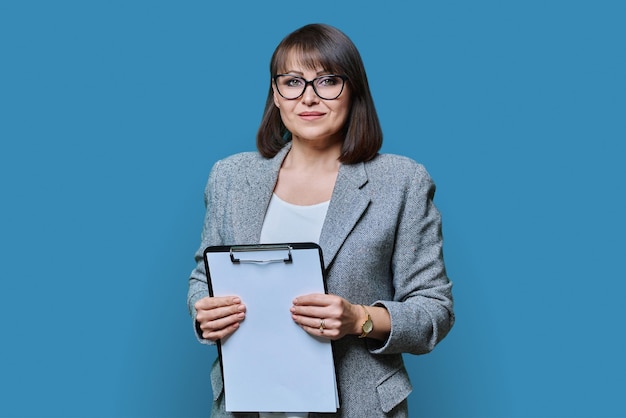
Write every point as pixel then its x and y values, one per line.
pixel 309 96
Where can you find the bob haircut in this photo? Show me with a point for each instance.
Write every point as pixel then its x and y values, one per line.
pixel 318 45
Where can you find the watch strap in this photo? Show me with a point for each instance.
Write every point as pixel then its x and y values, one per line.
pixel 368 325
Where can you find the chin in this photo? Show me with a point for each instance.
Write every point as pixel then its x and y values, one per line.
pixel 318 136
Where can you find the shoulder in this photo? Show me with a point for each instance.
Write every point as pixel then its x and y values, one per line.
pixel 237 166
pixel 235 162
pixel 249 165
pixel 231 172
pixel 385 167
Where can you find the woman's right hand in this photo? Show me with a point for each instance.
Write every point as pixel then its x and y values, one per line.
pixel 219 316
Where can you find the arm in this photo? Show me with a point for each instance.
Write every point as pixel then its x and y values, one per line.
pixel 392 260
pixel 212 318
pixel 422 310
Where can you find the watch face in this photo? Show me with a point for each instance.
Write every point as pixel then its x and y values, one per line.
pixel 368 326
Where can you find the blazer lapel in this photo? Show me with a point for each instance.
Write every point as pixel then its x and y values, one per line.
pixel 346 207
pixel 261 181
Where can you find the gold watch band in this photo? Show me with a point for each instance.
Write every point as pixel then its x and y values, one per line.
pixel 368 325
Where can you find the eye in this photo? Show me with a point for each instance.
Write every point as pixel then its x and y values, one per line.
pixel 289 81
pixel 328 81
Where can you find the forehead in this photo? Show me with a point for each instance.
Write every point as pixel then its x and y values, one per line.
pixel 295 59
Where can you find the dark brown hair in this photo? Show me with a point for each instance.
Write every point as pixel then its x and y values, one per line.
pixel 322 45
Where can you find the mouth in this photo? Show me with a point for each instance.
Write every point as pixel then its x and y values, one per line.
pixel 311 115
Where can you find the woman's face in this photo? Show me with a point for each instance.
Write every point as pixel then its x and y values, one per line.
pixel 310 118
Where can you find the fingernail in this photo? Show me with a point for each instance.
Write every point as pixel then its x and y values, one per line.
pixel 236 300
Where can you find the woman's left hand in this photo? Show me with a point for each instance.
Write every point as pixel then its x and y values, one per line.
pixel 327 316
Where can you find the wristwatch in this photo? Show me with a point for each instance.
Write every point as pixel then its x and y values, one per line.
pixel 367 326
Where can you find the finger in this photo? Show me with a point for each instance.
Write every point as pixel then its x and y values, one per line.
pixel 214 325
pixel 307 313
pixel 221 312
pixel 325 332
pixel 313 299
pixel 220 334
pixel 210 302
pixel 315 323
pixel 217 329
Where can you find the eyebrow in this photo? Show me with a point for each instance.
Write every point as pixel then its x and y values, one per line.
pixel 301 74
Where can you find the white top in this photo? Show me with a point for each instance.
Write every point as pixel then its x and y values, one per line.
pixel 286 222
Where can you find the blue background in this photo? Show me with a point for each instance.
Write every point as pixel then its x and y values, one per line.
pixel 112 114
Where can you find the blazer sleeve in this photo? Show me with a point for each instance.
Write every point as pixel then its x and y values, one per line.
pixel 422 310
pixel 198 287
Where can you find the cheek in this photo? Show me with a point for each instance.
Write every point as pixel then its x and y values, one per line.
pixel 344 113
pixel 343 105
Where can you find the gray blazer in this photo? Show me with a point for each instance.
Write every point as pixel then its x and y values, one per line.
pixel 381 244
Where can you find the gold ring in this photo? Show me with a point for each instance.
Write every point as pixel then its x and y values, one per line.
pixel 322 326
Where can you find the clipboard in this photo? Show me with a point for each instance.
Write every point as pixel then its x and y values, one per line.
pixel 270 364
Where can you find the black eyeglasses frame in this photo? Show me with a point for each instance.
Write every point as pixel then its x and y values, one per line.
pixel 312 84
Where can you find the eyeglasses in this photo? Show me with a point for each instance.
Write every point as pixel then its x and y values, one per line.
pixel 327 87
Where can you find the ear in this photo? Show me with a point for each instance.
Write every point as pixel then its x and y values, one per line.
pixel 276 102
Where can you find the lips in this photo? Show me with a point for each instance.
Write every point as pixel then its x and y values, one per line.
pixel 311 115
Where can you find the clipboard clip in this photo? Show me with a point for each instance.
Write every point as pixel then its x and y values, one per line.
pixel 249 248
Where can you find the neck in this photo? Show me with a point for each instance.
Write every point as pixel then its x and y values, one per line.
pixel 303 155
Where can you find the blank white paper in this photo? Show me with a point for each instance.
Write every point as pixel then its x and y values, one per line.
pixel 270 364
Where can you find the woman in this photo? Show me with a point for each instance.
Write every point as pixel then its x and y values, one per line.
pixel 318 177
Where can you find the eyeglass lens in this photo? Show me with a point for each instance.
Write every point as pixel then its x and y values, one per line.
pixel 327 87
